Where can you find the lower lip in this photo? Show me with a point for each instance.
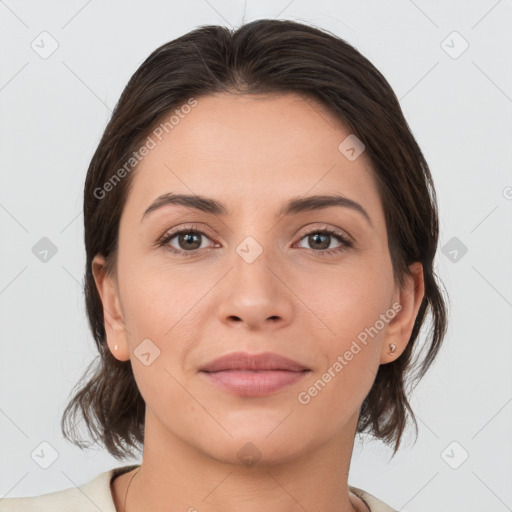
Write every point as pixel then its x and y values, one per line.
pixel 253 383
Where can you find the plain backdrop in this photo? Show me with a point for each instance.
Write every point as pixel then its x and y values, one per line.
pixel 449 64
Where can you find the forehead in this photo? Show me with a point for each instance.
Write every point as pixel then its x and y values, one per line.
pixel 251 151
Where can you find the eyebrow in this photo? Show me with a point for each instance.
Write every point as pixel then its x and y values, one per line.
pixel 293 206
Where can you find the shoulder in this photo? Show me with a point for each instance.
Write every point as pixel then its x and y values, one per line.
pixel 374 504
pixel 89 497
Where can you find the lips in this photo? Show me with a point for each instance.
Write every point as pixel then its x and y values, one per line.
pixel 253 375
pixel 254 362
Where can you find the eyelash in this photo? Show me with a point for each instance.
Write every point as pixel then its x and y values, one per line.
pixel 346 243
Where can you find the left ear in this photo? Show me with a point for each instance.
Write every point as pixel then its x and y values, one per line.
pixel 400 327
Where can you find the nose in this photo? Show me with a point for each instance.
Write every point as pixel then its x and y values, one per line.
pixel 255 295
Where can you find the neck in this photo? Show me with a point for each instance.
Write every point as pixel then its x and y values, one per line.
pixel 177 476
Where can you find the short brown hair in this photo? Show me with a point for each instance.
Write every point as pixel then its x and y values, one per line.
pixel 260 57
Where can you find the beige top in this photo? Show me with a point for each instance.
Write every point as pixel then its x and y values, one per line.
pixel 96 495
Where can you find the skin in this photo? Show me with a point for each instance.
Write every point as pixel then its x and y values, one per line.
pixel 251 153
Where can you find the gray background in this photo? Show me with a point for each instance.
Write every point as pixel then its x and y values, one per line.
pixel 458 106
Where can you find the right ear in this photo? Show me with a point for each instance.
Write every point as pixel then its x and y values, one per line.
pixel 112 312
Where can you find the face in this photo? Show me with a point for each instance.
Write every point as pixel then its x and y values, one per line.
pixel 249 278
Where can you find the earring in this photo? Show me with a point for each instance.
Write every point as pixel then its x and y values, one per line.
pixel 115 348
pixel 392 346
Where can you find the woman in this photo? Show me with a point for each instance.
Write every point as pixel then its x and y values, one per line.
pixel 239 356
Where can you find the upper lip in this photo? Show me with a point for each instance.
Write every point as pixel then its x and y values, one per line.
pixel 255 362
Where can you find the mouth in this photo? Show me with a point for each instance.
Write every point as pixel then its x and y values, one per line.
pixel 254 375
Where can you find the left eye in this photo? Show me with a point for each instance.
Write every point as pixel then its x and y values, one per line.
pixel 322 240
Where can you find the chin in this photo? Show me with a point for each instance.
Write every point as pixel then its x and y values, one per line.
pixel 256 448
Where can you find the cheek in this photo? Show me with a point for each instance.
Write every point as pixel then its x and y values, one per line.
pixel 156 299
pixel 353 305
pixel 161 315
pixel 348 298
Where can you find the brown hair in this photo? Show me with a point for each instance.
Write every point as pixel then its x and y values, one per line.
pixel 263 56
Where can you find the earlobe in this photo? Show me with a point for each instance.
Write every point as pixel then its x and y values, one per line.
pixel 400 327
pixel 112 315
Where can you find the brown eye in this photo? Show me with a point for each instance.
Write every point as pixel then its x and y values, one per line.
pixel 186 240
pixel 320 241
pixel 190 240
